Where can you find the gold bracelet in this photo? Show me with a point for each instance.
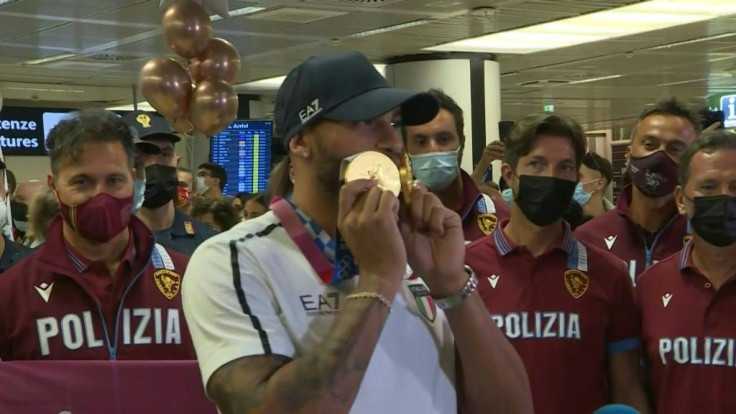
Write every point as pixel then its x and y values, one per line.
pixel 371 295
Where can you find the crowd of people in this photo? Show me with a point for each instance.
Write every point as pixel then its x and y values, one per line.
pixel 534 292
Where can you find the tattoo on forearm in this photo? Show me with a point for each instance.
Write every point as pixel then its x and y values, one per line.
pixel 333 371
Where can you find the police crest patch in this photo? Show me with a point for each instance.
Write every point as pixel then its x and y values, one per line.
pixel 487 223
pixel 576 282
pixel 424 301
pixel 167 282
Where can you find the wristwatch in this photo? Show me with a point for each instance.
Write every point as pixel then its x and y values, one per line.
pixel 457 298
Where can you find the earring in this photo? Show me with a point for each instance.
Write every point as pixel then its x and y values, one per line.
pixel 305 154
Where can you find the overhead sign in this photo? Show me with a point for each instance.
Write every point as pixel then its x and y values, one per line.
pixel 23 131
pixel 549 108
pixel 728 106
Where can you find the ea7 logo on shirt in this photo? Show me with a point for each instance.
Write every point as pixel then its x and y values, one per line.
pixel 310 111
pixel 321 304
pixel 576 282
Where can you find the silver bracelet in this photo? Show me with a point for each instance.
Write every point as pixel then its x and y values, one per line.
pixel 457 298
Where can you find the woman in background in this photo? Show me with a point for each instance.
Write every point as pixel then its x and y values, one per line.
pixel 239 202
pixel 218 214
pixel 255 206
pixel 41 213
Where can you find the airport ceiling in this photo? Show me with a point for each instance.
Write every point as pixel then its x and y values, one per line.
pixel 102 44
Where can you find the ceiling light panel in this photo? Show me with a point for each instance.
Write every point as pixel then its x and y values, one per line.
pixel 594 27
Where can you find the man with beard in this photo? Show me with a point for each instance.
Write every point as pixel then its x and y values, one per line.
pixel 645 227
pixel 172 227
pixel 283 319
pixel 688 299
pixel 436 151
pixel 99 287
pixel 567 308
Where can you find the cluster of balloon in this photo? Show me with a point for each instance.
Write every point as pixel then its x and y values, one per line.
pixel 201 96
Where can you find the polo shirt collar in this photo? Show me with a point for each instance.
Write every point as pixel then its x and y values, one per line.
pixel 81 263
pixel 471 195
pixel 686 256
pixel 623 202
pixel 505 246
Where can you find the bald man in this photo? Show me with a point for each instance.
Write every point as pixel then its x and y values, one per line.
pixel 28 189
pixel 25 192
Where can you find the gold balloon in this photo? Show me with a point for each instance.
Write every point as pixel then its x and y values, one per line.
pixel 166 85
pixel 220 60
pixel 194 72
pixel 187 28
pixel 181 125
pixel 213 107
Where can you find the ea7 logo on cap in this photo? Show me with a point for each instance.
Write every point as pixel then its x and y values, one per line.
pixel 144 120
pixel 310 111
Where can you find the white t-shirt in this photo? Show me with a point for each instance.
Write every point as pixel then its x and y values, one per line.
pixel 251 291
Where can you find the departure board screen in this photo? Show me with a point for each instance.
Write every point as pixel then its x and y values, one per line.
pixel 244 150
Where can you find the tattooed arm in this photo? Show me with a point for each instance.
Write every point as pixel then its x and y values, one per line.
pixel 325 380
pixel 328 378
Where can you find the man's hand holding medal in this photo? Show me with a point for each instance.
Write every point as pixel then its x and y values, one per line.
pixel 383 233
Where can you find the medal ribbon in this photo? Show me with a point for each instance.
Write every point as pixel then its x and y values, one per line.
pixel 316 248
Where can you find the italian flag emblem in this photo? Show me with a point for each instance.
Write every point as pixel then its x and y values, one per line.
pixel 424 301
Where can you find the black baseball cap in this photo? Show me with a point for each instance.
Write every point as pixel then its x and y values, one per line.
pixel 343 86
pixel 150 126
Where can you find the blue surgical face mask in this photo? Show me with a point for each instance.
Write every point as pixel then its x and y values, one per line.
pixel 436 170
pixel 581 196
pixel 139 191
pixel 508 195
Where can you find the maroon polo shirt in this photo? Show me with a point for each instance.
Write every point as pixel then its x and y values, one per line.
pixel 480 214
pixel 616 232
pixel 57 304
pixel 689 335
pixel 563 311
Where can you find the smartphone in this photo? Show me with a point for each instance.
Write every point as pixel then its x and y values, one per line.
pixel 504 129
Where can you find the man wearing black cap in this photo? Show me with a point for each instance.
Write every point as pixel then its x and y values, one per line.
pixel 280 315
pixel 172 227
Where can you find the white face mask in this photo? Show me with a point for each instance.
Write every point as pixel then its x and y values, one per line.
pixel 201 186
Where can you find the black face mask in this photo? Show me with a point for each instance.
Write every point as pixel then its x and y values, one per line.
pixel 161 183
pixel 543 200
pixel 714 219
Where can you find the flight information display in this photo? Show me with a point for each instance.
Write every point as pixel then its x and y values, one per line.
pixel 244 150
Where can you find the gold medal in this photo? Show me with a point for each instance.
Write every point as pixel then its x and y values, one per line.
pixel 407 177
pixel 373 165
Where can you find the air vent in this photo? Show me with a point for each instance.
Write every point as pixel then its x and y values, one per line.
pixel 294 15
pixel 108 57
pixel 79 65
pixel 361 3
pixel 543 82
